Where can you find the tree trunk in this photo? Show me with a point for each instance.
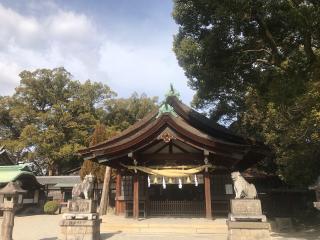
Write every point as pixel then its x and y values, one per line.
pixel 105 192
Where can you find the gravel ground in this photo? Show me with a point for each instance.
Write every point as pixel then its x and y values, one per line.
pixel 46 227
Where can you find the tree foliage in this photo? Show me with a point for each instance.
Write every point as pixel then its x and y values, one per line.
pixel 100 134
pixel 50 116
pixel 118 115
pixel 123 112
pixel 257 63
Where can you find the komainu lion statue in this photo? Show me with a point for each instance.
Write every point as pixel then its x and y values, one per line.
pixel 85 188
pixel 242 188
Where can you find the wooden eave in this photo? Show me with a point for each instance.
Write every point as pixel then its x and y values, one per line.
pixel 151 132
pixel 124 134
pixel 204 124
pixel 189 127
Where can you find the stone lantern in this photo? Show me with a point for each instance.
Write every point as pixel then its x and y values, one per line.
pixel 12 196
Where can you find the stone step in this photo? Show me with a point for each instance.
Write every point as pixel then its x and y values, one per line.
pixel 155 225
pixel 164 225
pixel 165 228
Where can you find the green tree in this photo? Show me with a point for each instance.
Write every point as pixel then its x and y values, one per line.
pixel 51 116
pixel 119 115
pixel 257 63
pixel 100 134
pixel 123 112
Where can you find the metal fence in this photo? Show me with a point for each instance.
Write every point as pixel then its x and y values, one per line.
pixel 177 208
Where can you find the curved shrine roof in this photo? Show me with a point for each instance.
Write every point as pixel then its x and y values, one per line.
pixel 187 126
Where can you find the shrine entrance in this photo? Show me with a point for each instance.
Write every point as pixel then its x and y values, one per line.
pixel 172 201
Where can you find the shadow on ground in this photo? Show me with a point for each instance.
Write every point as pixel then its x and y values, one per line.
pixel 105 236
pixel 312 233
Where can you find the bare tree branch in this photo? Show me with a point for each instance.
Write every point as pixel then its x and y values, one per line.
pixel 307 36
pixel 270 40
pixel 258 50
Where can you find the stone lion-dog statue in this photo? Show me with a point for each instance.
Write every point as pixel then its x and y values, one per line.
pixel 242 188
pixel 85 188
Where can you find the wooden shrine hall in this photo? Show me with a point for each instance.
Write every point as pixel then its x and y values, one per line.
pixel 175 162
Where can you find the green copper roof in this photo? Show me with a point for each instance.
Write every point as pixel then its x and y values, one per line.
pixel 166 108
pixel 11 173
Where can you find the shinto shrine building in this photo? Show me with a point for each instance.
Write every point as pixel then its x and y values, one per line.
pixel 175 162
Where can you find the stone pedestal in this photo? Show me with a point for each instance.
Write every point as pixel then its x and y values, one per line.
pixel 82 206
pixel 246 221
pixel 81 222
pixel 7 224
pixel 80 229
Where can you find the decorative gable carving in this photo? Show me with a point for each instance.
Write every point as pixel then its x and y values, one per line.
pixel 167 135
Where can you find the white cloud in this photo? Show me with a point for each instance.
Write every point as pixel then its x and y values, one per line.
pixel 70 39
pixel 69 27
pixel 8 79
pixel 62 39
pixel 149 68
pixel 17 29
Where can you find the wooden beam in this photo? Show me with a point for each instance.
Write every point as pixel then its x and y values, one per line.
pixel 168 156
pixel 136 196
pixel 150 145
pixel 159 149
pixel 179 147
pixel 207 191
pixel 118 192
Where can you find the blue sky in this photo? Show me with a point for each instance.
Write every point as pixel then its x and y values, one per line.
pixel 126 44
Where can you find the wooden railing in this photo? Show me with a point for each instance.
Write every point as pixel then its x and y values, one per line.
pixel 177 208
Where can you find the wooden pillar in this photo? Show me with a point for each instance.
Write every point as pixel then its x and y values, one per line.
pixel 118 192
pixel 207 192
pixel 136 196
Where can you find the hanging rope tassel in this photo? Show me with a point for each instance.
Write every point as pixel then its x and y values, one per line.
pixel 149 181
pixel 164 183
pixel 195 180
pixel 155 180
pixel 188 180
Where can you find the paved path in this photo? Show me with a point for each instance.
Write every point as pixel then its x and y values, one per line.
pixel 46 227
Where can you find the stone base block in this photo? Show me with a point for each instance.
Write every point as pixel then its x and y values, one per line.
pixel 83 216
pixel 80 229
pixel 82 206
pixel 246 207
pixel 248 230
pixel 251 218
